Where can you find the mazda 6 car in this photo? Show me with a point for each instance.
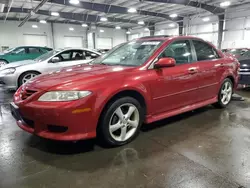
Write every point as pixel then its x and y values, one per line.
pixel 15 74
pixel 141 81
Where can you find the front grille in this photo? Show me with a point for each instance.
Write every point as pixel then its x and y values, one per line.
pixel 27 93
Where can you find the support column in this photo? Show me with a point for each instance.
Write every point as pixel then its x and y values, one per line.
pixel 220 29
pixel 151 29
pixel 52 35
pixel 181 24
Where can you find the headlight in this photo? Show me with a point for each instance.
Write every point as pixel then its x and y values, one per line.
pixel 8 71
pixel 63 95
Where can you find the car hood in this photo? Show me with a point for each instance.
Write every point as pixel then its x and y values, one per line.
pixel 17 64
pixel 78 77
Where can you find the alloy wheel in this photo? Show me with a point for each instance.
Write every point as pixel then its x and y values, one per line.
pixel 28 76
pixel 124 122
pixel 226 93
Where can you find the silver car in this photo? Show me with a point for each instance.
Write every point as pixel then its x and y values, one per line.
pixel 15 74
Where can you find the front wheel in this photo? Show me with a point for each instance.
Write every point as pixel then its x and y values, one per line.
pixel 25 77
pixel 121 121
pixel 225 94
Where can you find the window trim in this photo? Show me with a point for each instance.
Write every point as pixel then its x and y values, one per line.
pixel 195 54
pixel 151 66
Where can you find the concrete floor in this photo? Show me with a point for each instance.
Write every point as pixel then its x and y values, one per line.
pixel 204 148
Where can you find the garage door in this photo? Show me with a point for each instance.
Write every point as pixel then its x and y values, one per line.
pixel 73 42
pixel 35 40
pixel 104 43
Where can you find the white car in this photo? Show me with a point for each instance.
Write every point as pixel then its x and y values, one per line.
pixel 15 74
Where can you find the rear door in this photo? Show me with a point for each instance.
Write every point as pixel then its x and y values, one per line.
pixel 210 69
pixel 175 87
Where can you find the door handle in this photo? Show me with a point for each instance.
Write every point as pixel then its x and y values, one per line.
pixel 193 70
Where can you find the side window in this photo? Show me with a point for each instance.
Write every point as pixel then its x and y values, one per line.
pixel 34 50
pixel 19 51
pixel 78 55
pixel 71 55
pixel 65 56
pixel 180 51
pixel 90 55
pixel 204 51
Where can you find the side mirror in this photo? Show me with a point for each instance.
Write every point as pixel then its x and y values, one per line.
pixel 165 62
pixel 55 60
pixel 93 55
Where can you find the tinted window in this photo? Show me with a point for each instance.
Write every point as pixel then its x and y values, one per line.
pixel 204 51
pixel 180 51
pixel 34 50
pixel 71 55
pixel 19 51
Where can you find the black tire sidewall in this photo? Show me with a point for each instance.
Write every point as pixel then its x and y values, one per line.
pixel 219 95
pixel 108 112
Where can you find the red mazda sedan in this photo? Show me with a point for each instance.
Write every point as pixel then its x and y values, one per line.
pixel 141 81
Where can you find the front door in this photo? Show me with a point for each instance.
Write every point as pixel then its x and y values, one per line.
pixel 175 87
pixel 18 54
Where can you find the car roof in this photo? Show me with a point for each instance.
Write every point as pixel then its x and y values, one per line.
pixel 167 37
pixel 69 48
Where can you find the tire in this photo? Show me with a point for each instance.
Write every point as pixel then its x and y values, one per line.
pixel 3 62
pixel 227 93
pixel 117 113
pixel 26 76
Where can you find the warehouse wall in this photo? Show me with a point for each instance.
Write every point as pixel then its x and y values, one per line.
pixel 11 35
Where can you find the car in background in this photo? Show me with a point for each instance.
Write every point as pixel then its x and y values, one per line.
pixel 141 81
pixel 22 53
pixel 244 71
pixel 236 52
pixel 13 75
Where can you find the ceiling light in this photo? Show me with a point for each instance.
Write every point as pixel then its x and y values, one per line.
pixel 54 14
pixel 173 15
pixel 117 27
pixel 225 4
pixel 132 10
pixel 206 19
pixel 34 26
pixel 146 29
pixel 43 21
pixel 141 22
pixel 84 25
pixel 128 32
pixel 103 19
pixel 171 25
pixel 74 2
pixel 71 29
pixel 101 31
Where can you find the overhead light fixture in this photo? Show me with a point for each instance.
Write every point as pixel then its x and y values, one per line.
pixel 71 29
pixel 101 31
pixel 117 27
pixel 146 29
pixel 84 25
pixel 132 10
pixel 225 4
pixel 141 22
pixel 171 25
pixel 34 26
pixel 173 15
pixel 43 21
pixel 206 19
pixel 54 14
pixel 128 32
pixel 74 2
pixel 103 19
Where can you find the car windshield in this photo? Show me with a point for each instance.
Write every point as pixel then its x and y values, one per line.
pixel 46 55
pixel 8 50
pixel 247 54
pixel 236 51
pixel 133 53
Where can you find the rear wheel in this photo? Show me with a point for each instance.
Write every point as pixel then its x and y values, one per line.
pixel 3 62
pixel 26 77
pixel 121 121
pixel 225 94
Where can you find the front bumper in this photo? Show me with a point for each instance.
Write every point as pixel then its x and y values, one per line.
pixel 68 121
pixel 9 81
pixel 244 78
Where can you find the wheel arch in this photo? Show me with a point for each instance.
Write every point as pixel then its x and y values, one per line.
pixel 4 60
pixel 19 77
